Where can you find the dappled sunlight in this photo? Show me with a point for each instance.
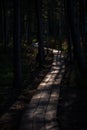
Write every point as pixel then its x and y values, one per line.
pixel 36 95
pixel 53 125
pixel 54 67
pixel 50 83
pixel 55 51
pixel 42 110
pixel 42 84
pixel 54 95
pixel 46 79
pixel 54 64
pixel 56 71
pixel 38 113
pixel 45 95
pixel 50 115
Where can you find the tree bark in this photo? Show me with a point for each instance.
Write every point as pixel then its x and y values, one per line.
pixel 78 55
pixel 40 32
pixel 17 45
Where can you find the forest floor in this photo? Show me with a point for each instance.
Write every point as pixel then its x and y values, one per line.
pixel 11 113
pixel 71 107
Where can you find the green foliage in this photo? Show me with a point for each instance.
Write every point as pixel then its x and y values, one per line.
pixel 34 40
pixel 64 46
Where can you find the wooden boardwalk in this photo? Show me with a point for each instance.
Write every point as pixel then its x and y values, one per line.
pixel 41 113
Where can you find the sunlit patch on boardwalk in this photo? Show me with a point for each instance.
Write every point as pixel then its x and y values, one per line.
pixel 41 112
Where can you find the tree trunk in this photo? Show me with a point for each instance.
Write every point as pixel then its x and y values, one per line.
pixel 68 35
pixel 83 19
pixel 17 45
pixel 78 55
pixel 5 23
pixel 40 32
pixel 29 28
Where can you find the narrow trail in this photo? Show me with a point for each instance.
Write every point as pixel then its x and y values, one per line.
pixel 41 113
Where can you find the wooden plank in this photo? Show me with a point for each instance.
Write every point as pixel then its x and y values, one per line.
pixel 42 110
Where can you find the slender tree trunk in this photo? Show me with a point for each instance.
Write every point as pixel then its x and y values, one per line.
pixel 50 21
pixel 5 23
pixel 60 26
pixel 75 35
pixel 40 32
pixel 83 19
pixel 68 35
pixel 1 22
pixel 29 38
pixel 17 45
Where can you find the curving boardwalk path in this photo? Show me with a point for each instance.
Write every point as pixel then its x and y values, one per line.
pixel 40 114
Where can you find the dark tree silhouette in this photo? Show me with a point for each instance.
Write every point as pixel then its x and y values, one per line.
pixel 17 44
pixel 83 26
pixel 40 32
pixel 75 35
pixel 5 18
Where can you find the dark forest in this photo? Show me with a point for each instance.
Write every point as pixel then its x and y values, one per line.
pixel 43 64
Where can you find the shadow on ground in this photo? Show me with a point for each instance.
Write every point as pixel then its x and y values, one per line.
pixel 71 107
pixel 11 111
